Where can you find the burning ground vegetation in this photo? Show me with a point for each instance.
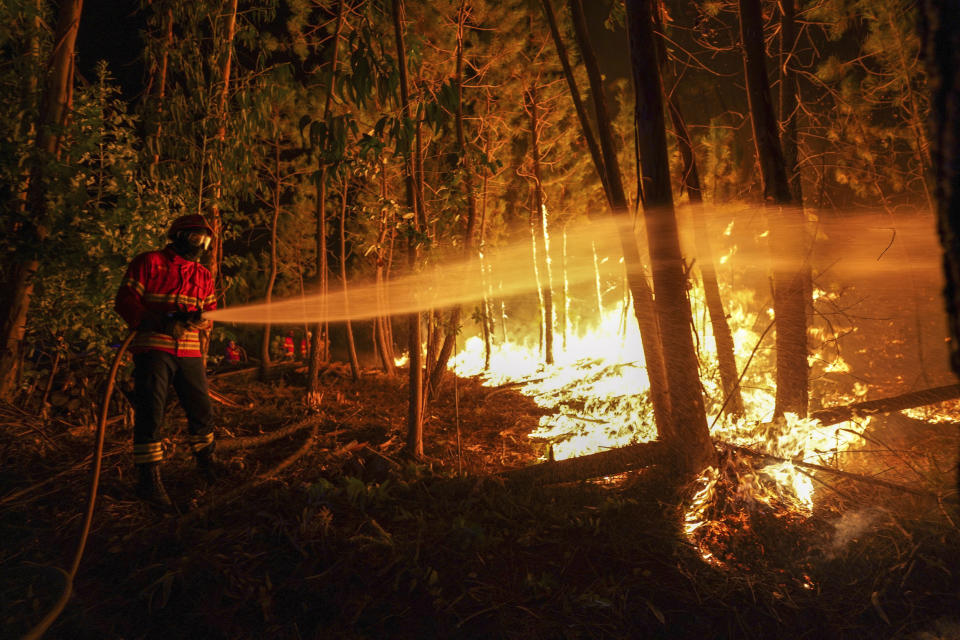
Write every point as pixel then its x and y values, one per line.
pixel 324 530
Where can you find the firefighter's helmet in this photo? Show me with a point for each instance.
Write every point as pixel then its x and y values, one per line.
pixel 192 222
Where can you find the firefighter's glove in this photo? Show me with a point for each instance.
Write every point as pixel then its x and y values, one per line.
pixel 174 327
pixel 171 324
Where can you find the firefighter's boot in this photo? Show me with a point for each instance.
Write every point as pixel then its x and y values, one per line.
pixel 150 487
pixel 210 467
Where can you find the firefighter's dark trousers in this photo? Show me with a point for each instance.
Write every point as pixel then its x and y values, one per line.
pixel 153 373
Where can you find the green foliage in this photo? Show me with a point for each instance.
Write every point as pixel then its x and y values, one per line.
pixel 102 214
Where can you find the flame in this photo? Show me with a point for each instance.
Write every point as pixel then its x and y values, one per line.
pixel 599 393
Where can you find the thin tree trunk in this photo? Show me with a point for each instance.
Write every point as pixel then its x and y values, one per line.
pixel 789 303
pixel 788 97
pixel 692 443
pixel 160 96
pixel 351 345
pixel 722 335
pixel 639 288
pixel 467 172
pixel 565 291
pixel 414 444
pixel 320 340
pixel 486 283
pixel 216 249
pixel 561 48
pixel 272 279
pixel 381 334
pixel 54 109
pixel 539 223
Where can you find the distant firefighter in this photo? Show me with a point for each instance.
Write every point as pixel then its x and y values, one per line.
pixel 234 353
pixel 288 346
pixel 305 346
pixel 162 297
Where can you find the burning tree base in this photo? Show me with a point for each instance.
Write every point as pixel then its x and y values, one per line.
pixel 741 520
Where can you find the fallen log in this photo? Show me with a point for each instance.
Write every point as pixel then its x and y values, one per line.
pixel 275 370
pixel 603 463
pixel 216 396
pixel 921 398
pixel 254 441
pixel 818 467
pixel 646 454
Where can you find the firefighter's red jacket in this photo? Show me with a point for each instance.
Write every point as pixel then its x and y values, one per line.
pixel 233 354
pixel 162 281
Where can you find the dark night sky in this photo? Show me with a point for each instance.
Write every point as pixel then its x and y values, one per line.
pixel 111 30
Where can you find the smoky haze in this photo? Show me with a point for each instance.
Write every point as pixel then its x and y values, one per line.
pixel 886 267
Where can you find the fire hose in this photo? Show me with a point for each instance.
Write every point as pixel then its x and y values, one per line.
pixel 44 624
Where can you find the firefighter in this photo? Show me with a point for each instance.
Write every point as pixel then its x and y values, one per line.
pixel 305 345
pixel 235 353
pixel 288 348
pixel 161 297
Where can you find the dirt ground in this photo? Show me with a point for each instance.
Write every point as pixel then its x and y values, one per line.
pixel 329 532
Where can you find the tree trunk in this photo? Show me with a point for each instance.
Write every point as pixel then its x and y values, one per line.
pixel 538 222
pixel 216 248
pixel 692 438
pixel 788 97
pixel 592 145
pixel 320 338
pixel 466 167
pixel 789 302
pixel 594 465
pixel 414 444
pixel 922 398
pixel 940 26
pixel 351 345
pixel 616 197
pixel 381 336
pixel 54 108
pixel 272 279
pixel 722 335
pixel 159 96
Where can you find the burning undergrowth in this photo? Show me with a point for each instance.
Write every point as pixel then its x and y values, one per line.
pixel 352 541
pixel 734 528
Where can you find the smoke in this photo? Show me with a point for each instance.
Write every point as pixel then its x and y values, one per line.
pixel 442 284
pixel 843 249
pixel 850 526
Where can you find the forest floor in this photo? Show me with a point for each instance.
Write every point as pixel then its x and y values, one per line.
pixel 329 533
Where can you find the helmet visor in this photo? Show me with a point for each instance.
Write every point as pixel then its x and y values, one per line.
pixel 198 238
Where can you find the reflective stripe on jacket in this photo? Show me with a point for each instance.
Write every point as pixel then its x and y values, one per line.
pixel 162 281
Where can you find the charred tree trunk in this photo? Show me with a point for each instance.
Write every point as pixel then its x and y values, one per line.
pixel 639 288
pixel 789 302
pixel 940 25
pixel 54 108
pixel 320 338
pixel 414 444
pixel 692 438
pixel 538 223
